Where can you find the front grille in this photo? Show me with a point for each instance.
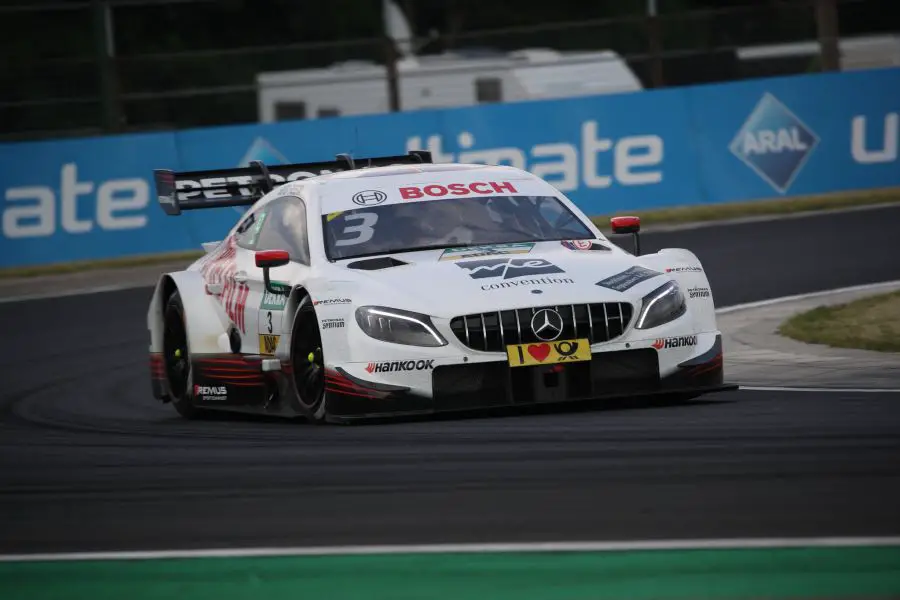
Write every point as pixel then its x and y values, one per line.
pixel 492 331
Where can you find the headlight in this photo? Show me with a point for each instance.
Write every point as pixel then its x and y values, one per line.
pixel 398 326
pixel 664 304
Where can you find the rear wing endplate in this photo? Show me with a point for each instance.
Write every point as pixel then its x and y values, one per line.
pixel 242 186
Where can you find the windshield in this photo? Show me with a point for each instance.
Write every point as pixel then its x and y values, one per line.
pixel 406 227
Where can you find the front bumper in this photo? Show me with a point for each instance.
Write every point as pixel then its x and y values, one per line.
pixel 478 385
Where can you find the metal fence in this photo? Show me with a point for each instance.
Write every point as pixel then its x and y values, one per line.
pixel 90 78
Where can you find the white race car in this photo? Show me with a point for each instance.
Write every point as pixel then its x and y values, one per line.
pixel 404 287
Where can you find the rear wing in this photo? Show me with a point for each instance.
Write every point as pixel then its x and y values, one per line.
pixel 242 186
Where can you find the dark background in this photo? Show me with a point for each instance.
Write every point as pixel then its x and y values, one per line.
pixel 180 63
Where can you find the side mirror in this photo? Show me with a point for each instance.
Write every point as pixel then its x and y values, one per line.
pixel 632 225
pixel 268 259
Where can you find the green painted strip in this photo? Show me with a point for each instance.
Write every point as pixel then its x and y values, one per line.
pixel 782 573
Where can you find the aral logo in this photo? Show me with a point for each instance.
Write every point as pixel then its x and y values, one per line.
pixel 508 268
pixel 774 142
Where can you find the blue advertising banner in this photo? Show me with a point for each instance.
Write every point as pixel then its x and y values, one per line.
pixel 93 198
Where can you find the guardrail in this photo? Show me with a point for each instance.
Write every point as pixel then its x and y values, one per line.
pixel 92 198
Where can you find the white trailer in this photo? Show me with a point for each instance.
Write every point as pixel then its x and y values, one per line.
pixel 453 79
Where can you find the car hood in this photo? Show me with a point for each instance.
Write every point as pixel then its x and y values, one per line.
pixel 445 285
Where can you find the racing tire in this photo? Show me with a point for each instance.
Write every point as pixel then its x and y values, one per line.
pixel 308 363
pixel 177 359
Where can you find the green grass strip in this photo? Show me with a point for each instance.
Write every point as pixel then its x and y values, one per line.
pixel 95 265
pixel 871 323
pixel 855 572
pixel 756 208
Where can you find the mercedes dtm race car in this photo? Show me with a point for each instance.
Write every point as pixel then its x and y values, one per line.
pixel 404 287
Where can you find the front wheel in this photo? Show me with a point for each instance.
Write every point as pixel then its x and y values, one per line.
pixel 308 362
pixel 177 357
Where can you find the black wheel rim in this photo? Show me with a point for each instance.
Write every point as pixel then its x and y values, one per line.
pixel 309 372
pixel 175 352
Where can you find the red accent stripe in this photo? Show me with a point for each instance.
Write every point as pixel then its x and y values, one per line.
pixel 712 365
pixel 344 385
pixel 349 393
pixel 340 381
pixel 706 370
pixel 717 360
pixel 228 369
pixel 227 361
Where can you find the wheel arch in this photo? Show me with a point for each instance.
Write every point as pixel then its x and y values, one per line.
pixel 206 321
pixel 297 294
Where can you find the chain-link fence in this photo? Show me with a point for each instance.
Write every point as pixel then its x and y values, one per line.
pixel 95 66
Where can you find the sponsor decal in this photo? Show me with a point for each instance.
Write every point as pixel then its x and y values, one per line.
pixel 595 160
pixel 583 245
pixel 548 353
pixel 698 292
pixel 690 269
pixel 329 301
pixel 456 189
pixel 675 342
pixel 577 244
pixel 219 269
pixel 508 268
pixel 332 323
pixel 211 393
pixel 475 251
pixel 369 197
pixel 887 150
pixel 260 149
pixel 628 278
pixel 774 142
pixel 267 343
pixel 74 205
pixel 400 365
pixel 272 301
pixel 526 282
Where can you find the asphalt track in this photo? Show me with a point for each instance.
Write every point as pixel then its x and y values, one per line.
pixel 89 461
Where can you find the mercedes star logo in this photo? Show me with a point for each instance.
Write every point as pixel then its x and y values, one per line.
pixel 369 197
pixel 546 324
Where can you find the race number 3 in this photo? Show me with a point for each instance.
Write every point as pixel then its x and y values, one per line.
pixel 363 231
